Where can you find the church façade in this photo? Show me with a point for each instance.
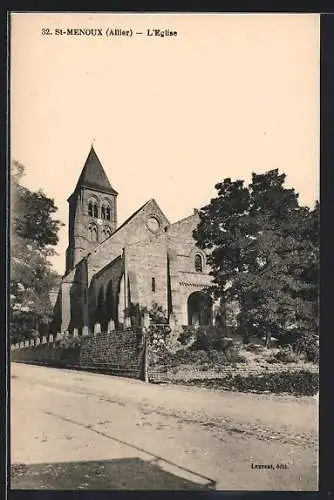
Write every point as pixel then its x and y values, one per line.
pixel 143 261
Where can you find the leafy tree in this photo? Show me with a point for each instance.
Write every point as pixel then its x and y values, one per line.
pixel 32 214
pixel 33 233
pixel 263 250
pixel 158 315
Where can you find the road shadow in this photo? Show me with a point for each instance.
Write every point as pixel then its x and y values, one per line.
pixel 118 474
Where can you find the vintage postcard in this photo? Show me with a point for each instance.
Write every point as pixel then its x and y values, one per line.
pixel 164 251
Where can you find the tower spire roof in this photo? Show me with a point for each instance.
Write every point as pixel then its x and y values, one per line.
pixel 93 175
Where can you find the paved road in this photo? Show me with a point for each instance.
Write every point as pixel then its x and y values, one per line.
pixel 78 430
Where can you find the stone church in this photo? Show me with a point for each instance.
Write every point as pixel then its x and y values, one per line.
pixel 111 267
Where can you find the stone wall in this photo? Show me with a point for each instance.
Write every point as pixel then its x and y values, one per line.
pixel 144 262
pixel 117 352
pixel 129 233
pixel 184 279
pixel 105 285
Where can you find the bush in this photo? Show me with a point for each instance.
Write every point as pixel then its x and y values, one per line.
pixel 225 344
pixel 158 334
pixel 157 315
pixel 254 348
pixel 68 342
pixel 216 357
pixel 188 356
pixel 230 356
pixel 241 359
pixel 188 333
pixel 201 357
pixel 299 383
pixel 209 337
pixel 308 345
pixel 233 356
pixel 284 355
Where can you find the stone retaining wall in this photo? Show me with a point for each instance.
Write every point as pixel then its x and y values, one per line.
pixel 117 352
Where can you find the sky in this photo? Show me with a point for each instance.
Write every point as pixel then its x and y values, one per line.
pixel 231 94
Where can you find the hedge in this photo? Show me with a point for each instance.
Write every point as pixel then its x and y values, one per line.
pixel 299 383
pixel 191 356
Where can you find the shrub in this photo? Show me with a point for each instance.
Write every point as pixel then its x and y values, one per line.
pixel 208 337
pixel 254 348
pixel 299 383
pixel 189 356
pixel 232 355
pixel 216 357
pixel 302 382
pixel 158 334
pixel 224 344
pixel 158 315
pixel 272 359
pixel 201 357
pixel 285 355
pixel 68 342
pixel 241 359
pixel 308 345
pixel 288 337
pixel 188 332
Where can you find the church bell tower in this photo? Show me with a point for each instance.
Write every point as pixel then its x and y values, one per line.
pixel 92 211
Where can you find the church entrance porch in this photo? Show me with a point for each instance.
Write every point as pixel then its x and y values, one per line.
pixel 199 309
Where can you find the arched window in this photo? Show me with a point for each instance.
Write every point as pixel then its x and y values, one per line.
pixel 106 232
pixel 105 211
pixel 198 263
pixel 93 208
pixel 90 209
pixel 92 233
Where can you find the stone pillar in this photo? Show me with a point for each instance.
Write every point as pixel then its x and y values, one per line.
pixel 172 321
pixel 97 328
pixel 127 322
pixel 50 338
pixel 44 341
pixel 32 342
pixel 22 344
pixel 121 303
pixel 75 332
pixel 59 336
pixel 26 343
pixel 126 283
pixel 38 341
pixel 146 320
pixel 66 334
pixel 65 304
pixel 85 331
pixel 111 325
pixel 17 345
